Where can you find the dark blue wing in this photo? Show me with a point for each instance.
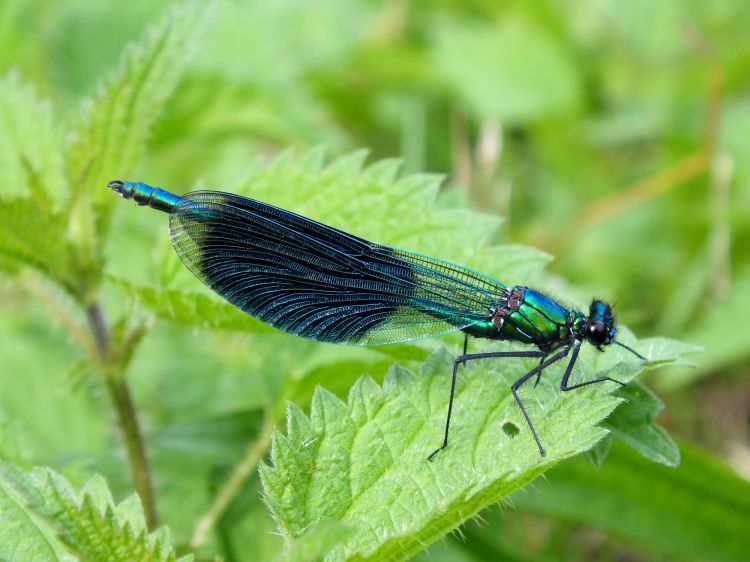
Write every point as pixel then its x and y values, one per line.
pixel 318 282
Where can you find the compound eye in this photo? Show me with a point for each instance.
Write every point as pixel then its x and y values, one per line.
pixel 596 332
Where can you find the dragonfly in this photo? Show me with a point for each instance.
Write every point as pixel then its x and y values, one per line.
pixel 320 283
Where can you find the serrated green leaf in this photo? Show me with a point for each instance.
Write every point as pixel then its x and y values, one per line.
pixel 339 369
pixel 191 309
pixel 697 512
pixel 130 511
pixel 667 351
pixel 633 421
pixel 98 493
pixel 23 536
pixel 316 542
pixel 598 453
pixel 364 463
pixel 118 121
pixel 384 171
pixel 31 162
pixel 88 525
pixel 633 424
pixel 36 237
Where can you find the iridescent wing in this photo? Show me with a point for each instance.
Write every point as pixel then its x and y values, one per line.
pixel 318 282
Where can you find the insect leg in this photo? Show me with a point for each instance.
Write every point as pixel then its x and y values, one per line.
pixel 564 382
pixel 462 359
pixel 539 374
pixel 538 369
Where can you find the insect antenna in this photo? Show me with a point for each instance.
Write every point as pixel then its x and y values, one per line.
pixel 631 350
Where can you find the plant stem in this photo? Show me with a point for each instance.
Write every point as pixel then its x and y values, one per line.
pixel 99 329
pixel 140 471
pixel 230 488
pixel 127 417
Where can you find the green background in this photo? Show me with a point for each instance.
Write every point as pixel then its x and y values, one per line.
pixel 611 135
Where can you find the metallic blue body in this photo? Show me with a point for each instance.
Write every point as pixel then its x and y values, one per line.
pixel 318 282
pixel 147 196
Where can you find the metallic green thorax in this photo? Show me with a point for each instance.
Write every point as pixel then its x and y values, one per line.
pixel 146 195
pixel 529 317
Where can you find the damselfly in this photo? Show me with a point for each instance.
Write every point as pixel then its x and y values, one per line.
pixel 318 282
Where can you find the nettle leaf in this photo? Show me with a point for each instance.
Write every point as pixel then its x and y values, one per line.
pixel 23 534
pixel 30 158
pixel 657 351
pixel 699 512
pixel 35 236
pixel 633 424
pixel 118 121
pixel 363 464
pixel 47 516
pixel 633 421
pixel 663 351
pixel 316 542
pixel 191 308
pixel 599 452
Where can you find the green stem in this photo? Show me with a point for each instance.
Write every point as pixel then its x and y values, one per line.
pixel 127 417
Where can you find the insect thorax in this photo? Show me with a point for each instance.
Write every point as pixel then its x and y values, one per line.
pixel 527 316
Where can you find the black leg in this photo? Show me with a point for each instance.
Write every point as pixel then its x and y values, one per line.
pixel 539 374
pixel 564 382
pixel 461 359
pixel 466 343
pixel 538 369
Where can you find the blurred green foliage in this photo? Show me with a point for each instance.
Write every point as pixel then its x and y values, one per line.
pixel 611 135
